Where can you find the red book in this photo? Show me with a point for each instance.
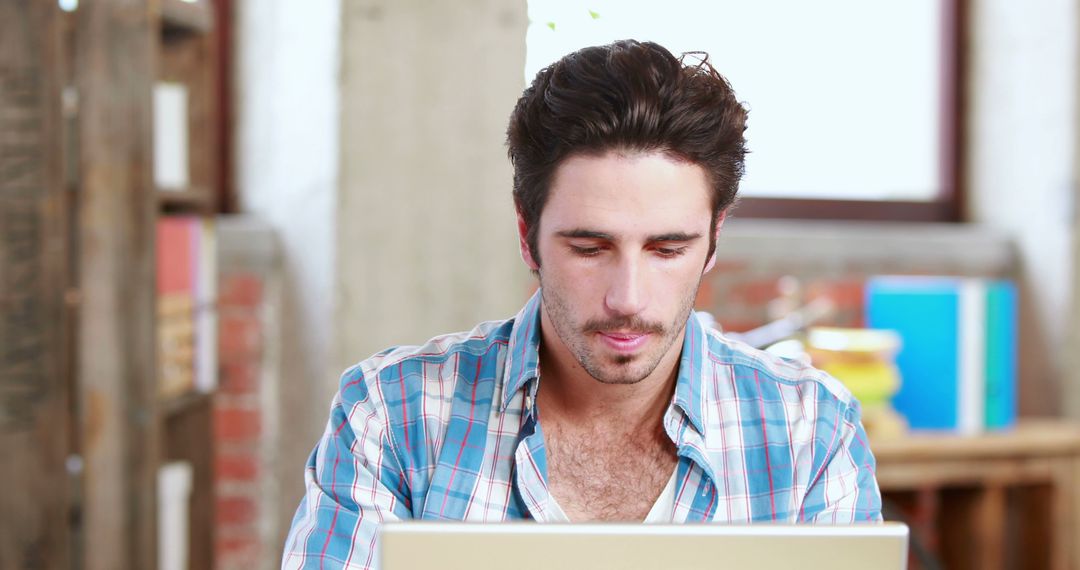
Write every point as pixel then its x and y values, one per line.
pixel 175 255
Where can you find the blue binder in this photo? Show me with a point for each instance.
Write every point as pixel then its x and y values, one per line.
pixel 925 311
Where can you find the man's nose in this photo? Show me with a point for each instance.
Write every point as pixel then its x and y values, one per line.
pixel 627 292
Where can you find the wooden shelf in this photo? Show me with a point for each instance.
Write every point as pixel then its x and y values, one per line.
pixel 191 17
pixel 1030 437
pixel 176 405
pixel 197 200
pixel 964 496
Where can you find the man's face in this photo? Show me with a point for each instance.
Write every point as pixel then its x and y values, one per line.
pixel 623 240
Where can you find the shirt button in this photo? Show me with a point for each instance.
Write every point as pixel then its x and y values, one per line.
pixel 528 403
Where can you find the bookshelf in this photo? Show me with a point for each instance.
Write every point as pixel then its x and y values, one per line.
pixel 90 430
pixel 190 183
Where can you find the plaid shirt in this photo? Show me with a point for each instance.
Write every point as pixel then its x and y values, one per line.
pixel 448 431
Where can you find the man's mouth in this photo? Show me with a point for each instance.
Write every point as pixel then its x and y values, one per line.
pixel 623 341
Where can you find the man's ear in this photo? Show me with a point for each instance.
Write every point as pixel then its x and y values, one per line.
pixel 523 244
pixel 716 240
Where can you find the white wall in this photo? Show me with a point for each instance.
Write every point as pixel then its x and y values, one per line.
pixel 1021 145
pixel 287 117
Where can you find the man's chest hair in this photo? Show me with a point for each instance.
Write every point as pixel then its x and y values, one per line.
pixel 607 474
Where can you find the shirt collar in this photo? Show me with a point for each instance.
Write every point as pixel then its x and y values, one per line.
pixel 522 350
pixel 523 357
pixel 689 385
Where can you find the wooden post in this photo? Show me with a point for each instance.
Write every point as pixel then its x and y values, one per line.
pixel 115 42
pixel 1063 502
pixel 35 505
pixel 988 528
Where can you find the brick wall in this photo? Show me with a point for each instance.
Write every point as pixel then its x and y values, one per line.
pixel 237 420
pixel 242 418
pixel 833 259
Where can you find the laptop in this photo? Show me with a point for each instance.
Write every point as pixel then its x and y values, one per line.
pixel 532 546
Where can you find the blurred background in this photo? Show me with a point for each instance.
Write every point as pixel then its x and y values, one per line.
pixel 210 208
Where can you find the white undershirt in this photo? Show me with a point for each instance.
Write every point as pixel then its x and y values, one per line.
pixel 659 513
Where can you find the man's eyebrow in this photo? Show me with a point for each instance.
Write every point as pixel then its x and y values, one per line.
pixel 674 236
pixel 588 234
pixel 592 234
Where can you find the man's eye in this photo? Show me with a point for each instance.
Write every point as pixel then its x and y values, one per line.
pixel 585 251
pixel 670 251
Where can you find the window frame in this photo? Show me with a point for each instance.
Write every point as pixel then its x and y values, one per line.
pixel 949 204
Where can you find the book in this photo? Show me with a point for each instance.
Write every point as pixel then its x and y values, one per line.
pixel 958 353
pixel 174 485
pixel 971 369
pixel 206 321
pixel 1001 352
pixel 186 305
pixel 175 307
pixel 170 104
pixel 924 312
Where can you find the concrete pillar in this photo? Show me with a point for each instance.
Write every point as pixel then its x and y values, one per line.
pixel 425 222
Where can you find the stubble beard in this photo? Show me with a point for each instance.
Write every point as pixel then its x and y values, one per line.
pixel 620 368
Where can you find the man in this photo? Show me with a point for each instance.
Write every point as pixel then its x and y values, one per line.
pixel 605 398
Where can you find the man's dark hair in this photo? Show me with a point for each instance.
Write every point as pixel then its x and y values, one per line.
pixel 627 96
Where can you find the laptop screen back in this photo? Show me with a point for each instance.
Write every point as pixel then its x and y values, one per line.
pixel 531 546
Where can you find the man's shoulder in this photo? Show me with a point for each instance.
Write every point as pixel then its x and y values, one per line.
pixel 482 340
pixel 414 366
pixel 762 367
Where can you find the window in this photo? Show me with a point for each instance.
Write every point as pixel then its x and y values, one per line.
pixel 852 103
